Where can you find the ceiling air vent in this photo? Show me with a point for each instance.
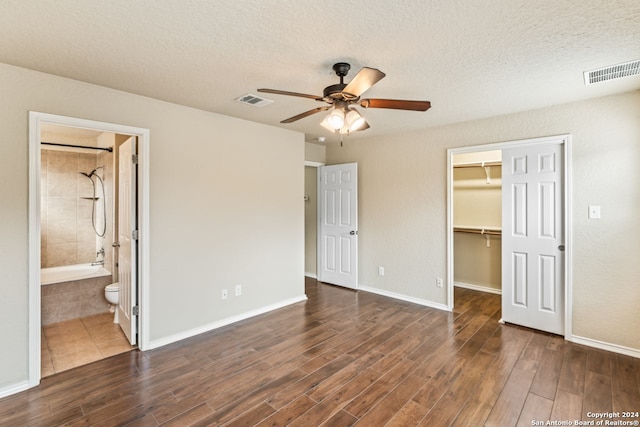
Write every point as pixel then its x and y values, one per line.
pixel 255 100
pixel 614 72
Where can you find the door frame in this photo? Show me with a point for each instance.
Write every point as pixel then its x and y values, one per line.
pixel 36 120
pixel 565 141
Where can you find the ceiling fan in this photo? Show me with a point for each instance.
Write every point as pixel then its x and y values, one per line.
pixel 343 117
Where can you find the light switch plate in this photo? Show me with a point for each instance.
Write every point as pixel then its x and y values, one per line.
pixel 594 212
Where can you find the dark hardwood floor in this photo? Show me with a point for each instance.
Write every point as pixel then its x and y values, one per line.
pixel 339 359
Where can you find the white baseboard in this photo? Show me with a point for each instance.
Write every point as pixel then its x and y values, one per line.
pixel 312 275
pixel 478 288
pixel 14 388
pixel 615 348
pixel 402 297
pixel 224 322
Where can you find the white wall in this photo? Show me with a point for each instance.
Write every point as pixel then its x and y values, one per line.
pixel 402 206
pixel 315 152
pixel 476 203
pixel 225 208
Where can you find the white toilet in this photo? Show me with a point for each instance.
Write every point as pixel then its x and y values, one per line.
pixel 111 294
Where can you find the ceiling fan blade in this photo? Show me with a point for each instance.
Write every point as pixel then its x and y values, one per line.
pixel 365 78
pixel 305 114
pixel 284 92
pixel 396 104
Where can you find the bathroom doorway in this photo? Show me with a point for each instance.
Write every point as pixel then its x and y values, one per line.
pixel 78 258
pixel 74 242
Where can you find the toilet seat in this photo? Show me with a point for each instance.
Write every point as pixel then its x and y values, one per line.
pixel 114 287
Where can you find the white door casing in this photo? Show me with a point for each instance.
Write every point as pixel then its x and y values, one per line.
pixel 338 225
pixel 36 120
pixel 533 235
pixel 127 252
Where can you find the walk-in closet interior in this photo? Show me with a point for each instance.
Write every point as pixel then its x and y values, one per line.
pixel 477 218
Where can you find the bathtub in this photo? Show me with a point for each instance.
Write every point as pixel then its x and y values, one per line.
pixel 68 273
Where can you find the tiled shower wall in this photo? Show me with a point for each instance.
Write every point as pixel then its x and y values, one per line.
pixel 66 231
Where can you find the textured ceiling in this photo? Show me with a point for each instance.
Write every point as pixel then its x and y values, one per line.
pixel 471 59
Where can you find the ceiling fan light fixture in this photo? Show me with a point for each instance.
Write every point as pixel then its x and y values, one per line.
pixel 325 124
pixel 342 117
pixel 354 120
pixel 335 119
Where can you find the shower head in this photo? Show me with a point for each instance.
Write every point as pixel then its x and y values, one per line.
pixel 93 172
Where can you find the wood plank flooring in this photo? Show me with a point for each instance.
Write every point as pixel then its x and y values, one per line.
pixel 343 358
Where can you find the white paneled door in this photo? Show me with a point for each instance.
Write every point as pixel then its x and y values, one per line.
pixel 533 288
pixel 338 225
pixel 127 239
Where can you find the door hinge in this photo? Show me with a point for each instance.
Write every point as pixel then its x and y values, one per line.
pixel 134 159
pixel 135 234
pixel 135 310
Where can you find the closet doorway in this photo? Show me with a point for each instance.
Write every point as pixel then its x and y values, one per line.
pixel 495 234
pixel 477 220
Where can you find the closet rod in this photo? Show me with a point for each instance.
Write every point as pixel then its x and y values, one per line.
pixel 109 149
pixel 478 231
pixel 477 164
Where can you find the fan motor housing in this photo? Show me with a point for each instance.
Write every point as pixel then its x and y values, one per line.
pixel 334 91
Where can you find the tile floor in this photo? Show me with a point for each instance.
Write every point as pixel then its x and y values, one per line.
pixel 77 342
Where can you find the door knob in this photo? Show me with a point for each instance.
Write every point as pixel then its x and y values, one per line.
pixel 561 248
pixel 353 233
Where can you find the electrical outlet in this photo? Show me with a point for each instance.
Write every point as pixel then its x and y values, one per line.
pixel 238 290
pixel 225 294
pixel 380 271
pixel 439 282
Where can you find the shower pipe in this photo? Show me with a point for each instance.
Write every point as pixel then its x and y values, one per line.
pixel 90 175
pixel 109 149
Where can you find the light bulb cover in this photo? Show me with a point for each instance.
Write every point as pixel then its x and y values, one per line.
pixel 335 118
pixel 354 120
pixel 325 124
